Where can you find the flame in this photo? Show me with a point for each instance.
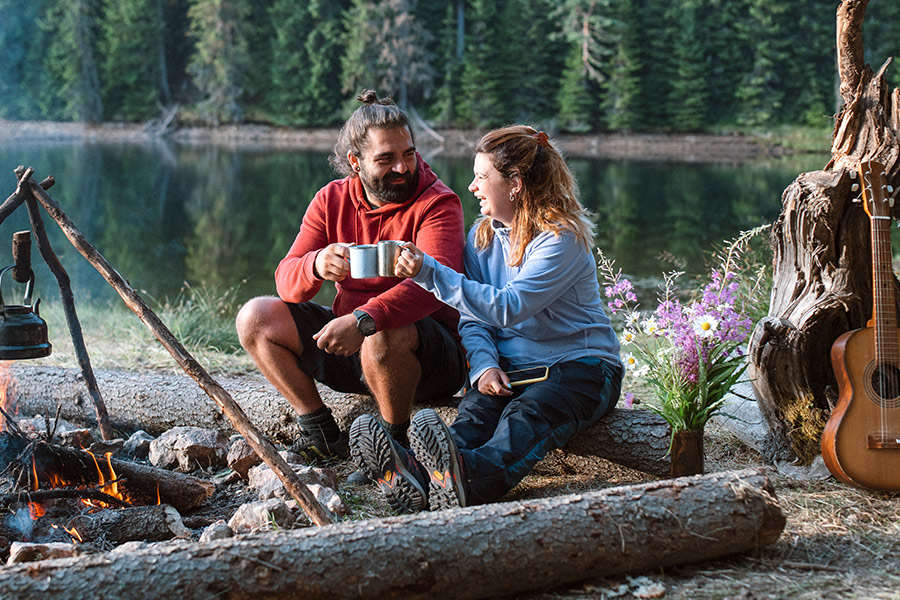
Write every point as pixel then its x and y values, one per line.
pixel 36 510
pixel 7 391
pixel 158 499
pixel 74 533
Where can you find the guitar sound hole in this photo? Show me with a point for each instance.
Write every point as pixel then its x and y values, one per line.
pixel 886 383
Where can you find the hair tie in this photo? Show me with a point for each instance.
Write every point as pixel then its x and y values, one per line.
pixel 542 139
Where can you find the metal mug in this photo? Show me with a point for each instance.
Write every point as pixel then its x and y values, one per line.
pixel 388 252
pixel 364 261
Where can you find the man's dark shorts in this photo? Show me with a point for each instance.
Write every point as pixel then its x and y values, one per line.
pixel 440 356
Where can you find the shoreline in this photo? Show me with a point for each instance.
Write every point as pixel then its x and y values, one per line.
pixel 708 148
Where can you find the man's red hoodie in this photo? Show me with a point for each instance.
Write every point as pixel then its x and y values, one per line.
pixel 432 219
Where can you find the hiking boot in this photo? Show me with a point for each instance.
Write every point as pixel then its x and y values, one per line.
pixel 388 464
pixel 434 447
pixel 315 450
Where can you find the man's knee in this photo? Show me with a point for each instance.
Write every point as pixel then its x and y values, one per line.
pixel 381 348
pixel 259 318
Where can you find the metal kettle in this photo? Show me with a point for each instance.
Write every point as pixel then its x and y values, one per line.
pixel 23 333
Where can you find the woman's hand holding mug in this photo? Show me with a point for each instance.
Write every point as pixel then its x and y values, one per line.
pixel 410 261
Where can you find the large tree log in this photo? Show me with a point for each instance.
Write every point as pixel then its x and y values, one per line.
pixel 477 552
pixel 156 402
pixel 137 523
pixel 822 268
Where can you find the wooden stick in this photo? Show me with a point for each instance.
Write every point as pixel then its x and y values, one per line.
pixel 263 448
pixel 68 302
pixel 55 494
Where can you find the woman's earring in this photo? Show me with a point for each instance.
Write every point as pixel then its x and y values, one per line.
pixel 512 197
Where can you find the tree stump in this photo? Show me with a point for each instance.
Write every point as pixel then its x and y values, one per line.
pixel 822 285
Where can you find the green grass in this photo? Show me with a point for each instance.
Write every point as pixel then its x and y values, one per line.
pixel 201 319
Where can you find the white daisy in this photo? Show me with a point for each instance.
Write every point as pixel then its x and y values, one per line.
pixel 705 325
pixel 651 326
pixel 630 361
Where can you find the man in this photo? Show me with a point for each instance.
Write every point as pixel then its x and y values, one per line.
pixel 383 336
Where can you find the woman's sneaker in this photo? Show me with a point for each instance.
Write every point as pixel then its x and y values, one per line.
pixel 434 447
pixel 388 464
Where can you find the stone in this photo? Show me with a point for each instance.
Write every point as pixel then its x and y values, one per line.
pixel 20 552
pixel 268 485
pixel 76 438
pixel 241 457
pixel 138 445
pixel 186 449
pixel 328 498
pixel 218 530
pixel 263 515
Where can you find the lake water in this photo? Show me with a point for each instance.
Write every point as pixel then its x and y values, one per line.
pixel 164 214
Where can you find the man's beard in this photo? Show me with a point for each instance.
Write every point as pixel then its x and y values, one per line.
pixel 393 188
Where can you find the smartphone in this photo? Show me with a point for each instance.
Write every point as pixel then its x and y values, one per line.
pixel 526 376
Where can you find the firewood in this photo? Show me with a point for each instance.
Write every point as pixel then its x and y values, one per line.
pixel 136 523
pixel 476 552
pixel 141 483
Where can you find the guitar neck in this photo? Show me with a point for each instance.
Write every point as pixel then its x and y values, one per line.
pixel 884 310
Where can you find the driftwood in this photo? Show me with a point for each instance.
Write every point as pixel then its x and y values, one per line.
pixel 478 552
pixel 59 465
pixel 156 402
pixel 32 194
pixel 137 523
pixel 822 284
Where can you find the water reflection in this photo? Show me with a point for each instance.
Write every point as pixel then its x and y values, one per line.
pixel 163 215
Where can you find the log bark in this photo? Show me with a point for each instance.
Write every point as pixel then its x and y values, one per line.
pixel 822 268
pixel 137 523
pixel 480 552
pixel 156 402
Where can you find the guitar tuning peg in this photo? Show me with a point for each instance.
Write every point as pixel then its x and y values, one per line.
pixel 852 174
pixel 891 202
pixel 854 187
pixel 857 200
pixel 890 189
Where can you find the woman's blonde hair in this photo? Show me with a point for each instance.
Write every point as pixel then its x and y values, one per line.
pixel 548 198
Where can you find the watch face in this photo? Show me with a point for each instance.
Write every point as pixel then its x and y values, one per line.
pixel 364 323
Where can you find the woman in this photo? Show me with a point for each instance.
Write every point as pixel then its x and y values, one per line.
pixel 530 298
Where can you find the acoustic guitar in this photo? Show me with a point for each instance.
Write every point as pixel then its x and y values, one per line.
pixel 861 441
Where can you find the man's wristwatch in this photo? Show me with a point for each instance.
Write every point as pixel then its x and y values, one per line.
pixel 364 322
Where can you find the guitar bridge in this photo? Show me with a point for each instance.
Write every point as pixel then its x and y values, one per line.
pixel 883 442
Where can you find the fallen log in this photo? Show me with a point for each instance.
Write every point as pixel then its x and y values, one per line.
pixel 156 402
pixel 476 552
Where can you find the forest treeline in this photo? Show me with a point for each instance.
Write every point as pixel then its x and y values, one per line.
pixel 567 65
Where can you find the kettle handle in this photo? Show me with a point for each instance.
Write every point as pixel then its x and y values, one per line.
pixel 28 287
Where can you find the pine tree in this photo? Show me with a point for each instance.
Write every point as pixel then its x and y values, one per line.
pixel 220 61
pixel 306 53
pixel 761 92
pixel 588 27
pixel 622 87
pixel 70 86
pixel 688 95
pixel 483 78
pixel 130 63
pixel 386 49
pixel 727 54
pixel 17 31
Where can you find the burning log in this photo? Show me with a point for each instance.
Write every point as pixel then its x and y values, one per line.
pixel 137 523
pixel 481 552
pixel 47 465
